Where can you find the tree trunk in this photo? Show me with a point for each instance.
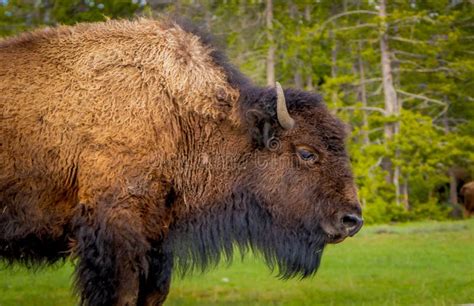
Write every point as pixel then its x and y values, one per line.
pixel 405 198
pixel 453 182
pixel 298 67
pixel 391 100
pixel 363 96
pixel 298 78
pixel 396 181
pixel 333 65
pixel 309 82
pixel 362 89
pixel 390 95
pixel 309 77
pixel 453 188
pixel 271 44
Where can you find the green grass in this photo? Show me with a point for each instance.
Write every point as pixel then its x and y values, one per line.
pixel 429 263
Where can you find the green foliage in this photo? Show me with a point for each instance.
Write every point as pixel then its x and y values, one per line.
pixel 20 15
pixel 73 11
pixel 430 209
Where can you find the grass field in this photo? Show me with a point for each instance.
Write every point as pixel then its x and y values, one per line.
pixel 428 263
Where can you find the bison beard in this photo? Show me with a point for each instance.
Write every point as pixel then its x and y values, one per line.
pixel 199 241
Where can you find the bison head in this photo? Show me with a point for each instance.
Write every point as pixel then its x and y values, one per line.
pixel 288 191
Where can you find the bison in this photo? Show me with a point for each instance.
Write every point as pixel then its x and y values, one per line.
pixel 467 192
pixel 135 148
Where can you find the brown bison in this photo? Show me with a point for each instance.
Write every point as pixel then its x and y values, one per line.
pixel 135 148
pixel 467 192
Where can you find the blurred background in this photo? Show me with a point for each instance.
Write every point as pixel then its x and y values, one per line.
pixel 400 73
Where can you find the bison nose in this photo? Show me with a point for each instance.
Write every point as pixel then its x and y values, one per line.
pixel 352 223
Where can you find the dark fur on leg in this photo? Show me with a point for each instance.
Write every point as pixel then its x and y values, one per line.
pixel 112 254
pixel 154 286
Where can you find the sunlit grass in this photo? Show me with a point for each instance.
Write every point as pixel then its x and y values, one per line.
pixel 424 263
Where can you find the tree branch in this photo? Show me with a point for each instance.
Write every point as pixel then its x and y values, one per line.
pixel 377 91
pixel 407 40
pixel 415 55
pixel 403 61
pixel 368 81
pixel 367 108
pixel 365 25
pixel 368 40
pixel 426 69
pixel 325 23
pixel 445 109
pixel 421 97
pixel 413 18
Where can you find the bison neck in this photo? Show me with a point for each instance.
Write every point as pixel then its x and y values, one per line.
pixel 199 239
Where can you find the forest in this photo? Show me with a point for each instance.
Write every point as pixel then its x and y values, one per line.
pixel 399 73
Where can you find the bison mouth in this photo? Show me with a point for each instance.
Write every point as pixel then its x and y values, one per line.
pixel 335 239
pixel 199 240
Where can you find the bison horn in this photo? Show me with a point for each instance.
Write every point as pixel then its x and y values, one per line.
pixel 284 117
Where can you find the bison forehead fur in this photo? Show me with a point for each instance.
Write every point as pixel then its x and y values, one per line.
pixel 134 146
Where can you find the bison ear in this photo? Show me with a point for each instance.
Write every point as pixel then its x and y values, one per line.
pixel 266 115
pixel 262 129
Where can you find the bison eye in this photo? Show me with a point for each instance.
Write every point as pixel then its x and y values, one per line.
pixel 307 155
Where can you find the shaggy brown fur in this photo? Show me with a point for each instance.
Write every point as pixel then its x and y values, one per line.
pixel 467 192
pixel 128 144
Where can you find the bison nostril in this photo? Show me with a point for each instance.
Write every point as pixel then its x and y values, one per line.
pixel 352 223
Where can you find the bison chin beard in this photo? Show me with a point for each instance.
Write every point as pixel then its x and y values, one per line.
pixel 200 239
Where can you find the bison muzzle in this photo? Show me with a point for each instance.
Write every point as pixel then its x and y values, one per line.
pixel 135 148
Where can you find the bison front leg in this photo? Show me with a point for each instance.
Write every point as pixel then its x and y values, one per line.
pixel 111 252
pixel 155 286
